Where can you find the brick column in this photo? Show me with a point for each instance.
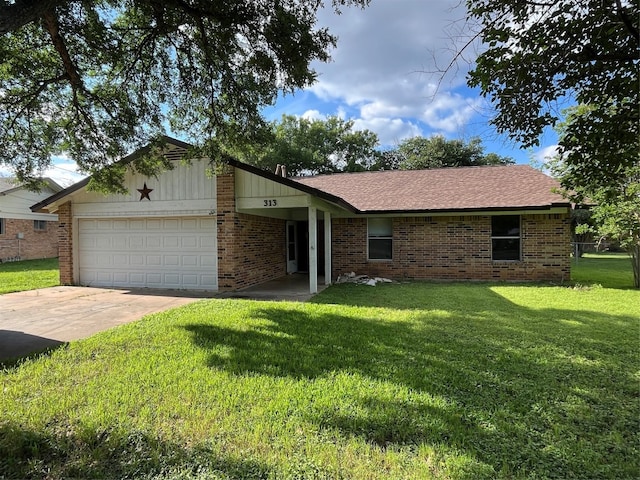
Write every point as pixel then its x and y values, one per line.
pixel 226 217
pixel 65 243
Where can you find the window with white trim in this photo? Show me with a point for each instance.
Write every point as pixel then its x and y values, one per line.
pixel 1 226
pixel 40 225
pixel 505 238
pixel 380 238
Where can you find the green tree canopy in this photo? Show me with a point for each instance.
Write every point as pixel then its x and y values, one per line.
pixel 437 152
pixel 615 203
pixel 537 54
pixel 310 147
pixel 97 79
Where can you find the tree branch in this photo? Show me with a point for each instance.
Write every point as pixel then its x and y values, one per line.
pixel 31 97
pixel 50 22
pixel 627 21
pixel 22 12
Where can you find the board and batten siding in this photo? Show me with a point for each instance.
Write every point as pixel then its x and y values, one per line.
pixel 186 190
pixel 252 191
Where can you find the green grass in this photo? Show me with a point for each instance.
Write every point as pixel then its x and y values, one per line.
pixel 28 275
pixel 419 380
pixel 612 270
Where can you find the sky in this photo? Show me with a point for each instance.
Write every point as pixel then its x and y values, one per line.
pixel 383 76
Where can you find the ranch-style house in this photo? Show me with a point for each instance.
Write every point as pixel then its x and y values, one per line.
pixel 187 229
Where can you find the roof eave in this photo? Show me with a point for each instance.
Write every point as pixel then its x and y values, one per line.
pixel 434 211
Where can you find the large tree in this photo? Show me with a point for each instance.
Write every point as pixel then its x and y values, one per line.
pixel 438 152
pixel 95 79
pixel 314 146
pixel 614 203
pixel 538 54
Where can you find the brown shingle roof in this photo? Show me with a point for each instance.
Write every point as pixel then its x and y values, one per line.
pixel 447 189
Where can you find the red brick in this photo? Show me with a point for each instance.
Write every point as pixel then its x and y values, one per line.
pixel 34 244
pixel 455 248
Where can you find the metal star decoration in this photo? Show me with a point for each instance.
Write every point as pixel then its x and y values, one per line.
pixel 145 191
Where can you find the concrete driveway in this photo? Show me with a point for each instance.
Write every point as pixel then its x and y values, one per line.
pixel 35 320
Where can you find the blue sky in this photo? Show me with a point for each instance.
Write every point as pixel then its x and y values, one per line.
pixel 384 76
pixel 379 77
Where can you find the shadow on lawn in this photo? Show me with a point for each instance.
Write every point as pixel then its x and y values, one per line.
pixel 70 452
pixel 16 347
pixel 518 390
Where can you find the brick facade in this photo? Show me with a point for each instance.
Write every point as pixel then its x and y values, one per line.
pixel 65 243
pixel 251 249
pixel 456 248
pixel 34 243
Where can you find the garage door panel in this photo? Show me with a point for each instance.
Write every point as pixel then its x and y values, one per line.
pixel 155 253
pixel 171 242
pixel 153 224
pixel 104 225
pixel 171 260
pixel 189 260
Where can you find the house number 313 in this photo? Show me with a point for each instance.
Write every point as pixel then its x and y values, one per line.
pixel 270 203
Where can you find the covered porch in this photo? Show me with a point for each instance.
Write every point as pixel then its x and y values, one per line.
pixel 307 220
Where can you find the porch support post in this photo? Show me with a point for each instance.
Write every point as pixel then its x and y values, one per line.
pixel 313 250
pixel 327 248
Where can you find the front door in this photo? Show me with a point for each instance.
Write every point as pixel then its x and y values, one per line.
pixel 292 247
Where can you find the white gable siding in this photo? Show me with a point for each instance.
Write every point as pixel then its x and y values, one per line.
pixel 185 190
pixel 249 185
pixel 256 192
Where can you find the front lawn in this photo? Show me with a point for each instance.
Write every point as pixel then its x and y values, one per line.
pixel 607 269
pixel 28 275
pixel 420 380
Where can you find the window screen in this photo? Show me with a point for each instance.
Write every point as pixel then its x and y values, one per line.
pixel 505 237
pixel 40 225
pixel 380 238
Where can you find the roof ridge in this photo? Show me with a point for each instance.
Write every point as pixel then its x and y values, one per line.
pixel 397 170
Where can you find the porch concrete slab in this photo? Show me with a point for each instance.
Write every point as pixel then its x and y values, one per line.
pixel 39 319
pixel 293 287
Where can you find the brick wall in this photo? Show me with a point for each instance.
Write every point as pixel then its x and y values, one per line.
pixel 65 243
pixel 251 249
pixel 456 248
pixel 34 244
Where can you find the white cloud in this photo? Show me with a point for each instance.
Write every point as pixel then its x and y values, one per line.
pixel 450 113
pixel 390 130
pixel 65 175
pixel 547 153
pixel 385 69
pixel 313 115
pixel 542 157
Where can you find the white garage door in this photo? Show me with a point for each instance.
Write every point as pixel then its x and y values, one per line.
pixel 149 252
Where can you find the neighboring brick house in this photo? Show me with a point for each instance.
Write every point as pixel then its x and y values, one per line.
pixel 188 230
pixel 25 235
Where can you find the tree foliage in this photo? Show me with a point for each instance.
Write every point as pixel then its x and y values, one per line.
pixel 539 53
pixel 615 202
pixel 438 152
pixel 97 79
pixel 618 217
pixel 312 146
